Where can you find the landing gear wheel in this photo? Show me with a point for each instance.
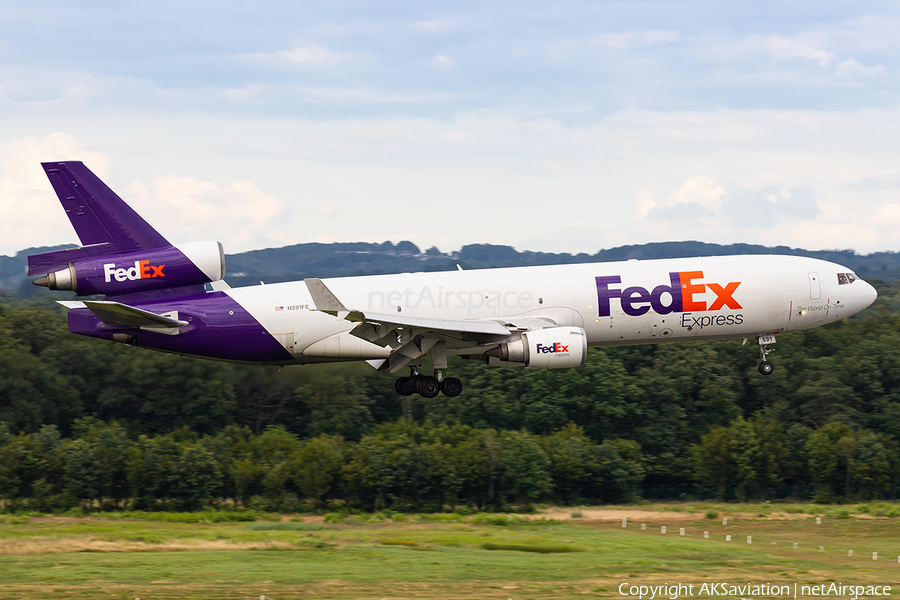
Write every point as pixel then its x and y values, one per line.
pixel 766 368
pixel 452 387
pixel 405 386
pixel 427 387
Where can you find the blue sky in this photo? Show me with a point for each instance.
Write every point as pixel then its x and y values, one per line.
pixel 571 126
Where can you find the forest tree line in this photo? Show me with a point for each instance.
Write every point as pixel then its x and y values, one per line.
pixel 84 421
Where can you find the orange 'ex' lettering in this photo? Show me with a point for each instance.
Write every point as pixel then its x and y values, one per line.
pixel 724 296
pixel 148 270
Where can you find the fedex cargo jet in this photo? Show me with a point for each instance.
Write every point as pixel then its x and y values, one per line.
pixel 173 297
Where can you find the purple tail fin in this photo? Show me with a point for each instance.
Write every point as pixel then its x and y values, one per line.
pixel 98 215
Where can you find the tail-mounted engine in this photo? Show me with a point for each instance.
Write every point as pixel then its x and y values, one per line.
pixel 551 348
pixel 84 271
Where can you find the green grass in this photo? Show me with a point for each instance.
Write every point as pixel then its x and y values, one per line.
pixel 426 558
pixel 538 549
pixel 289 527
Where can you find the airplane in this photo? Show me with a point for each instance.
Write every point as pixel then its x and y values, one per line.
pixel 173 298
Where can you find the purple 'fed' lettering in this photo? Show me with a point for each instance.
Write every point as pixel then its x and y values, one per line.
pixel 637 300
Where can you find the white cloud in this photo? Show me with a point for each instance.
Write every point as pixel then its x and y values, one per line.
pixel 434 26
pixel 249 94
pixel 625 39
pixel 185 209
pixel 313 55
pixel 797 47
pixel 696 111
pixel 443 61
pixel 699 189
pixel 347 96
pixel 30 212
pixel 853 69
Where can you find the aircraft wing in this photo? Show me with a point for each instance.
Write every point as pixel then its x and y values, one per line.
pixel 116 313
pixel 411 337
pixel 385 329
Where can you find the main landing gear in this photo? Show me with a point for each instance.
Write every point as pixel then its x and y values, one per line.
pixel 427 386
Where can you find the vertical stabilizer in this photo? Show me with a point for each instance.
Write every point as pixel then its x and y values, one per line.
pixel 98 215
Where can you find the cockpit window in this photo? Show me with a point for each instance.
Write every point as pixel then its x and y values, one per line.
pixel 845 278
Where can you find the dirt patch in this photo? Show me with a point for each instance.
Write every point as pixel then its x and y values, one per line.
pixel 608 515
pixel 48 546
pixel 72 519
pixel 310 519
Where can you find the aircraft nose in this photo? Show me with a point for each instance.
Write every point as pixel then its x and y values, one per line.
pixel 868 294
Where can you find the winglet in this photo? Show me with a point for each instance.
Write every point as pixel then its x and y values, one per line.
pixel 322 297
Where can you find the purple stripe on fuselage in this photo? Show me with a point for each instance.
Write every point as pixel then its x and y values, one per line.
pixel 218 327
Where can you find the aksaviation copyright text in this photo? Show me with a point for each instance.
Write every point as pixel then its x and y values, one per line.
pixel 753 590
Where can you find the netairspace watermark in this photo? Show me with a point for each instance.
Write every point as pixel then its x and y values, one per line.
pixel 469 300
pixel 750 590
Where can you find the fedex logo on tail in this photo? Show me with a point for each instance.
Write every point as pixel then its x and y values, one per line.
pixel 142 269
pixel 551 349
pixel 678 296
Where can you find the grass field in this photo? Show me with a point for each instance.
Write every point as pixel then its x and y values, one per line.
pixel 451 557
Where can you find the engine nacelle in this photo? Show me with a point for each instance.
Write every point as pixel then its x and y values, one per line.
pixel 552 348
pixel 139 271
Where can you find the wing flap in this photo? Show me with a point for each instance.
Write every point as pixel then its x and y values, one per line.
pixel 483 327
pixel 383 329
pixel 409 338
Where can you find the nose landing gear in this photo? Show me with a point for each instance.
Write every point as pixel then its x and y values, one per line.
pixel 765 366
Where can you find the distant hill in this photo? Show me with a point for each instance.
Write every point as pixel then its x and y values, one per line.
pixel 345 259
pixel 339 260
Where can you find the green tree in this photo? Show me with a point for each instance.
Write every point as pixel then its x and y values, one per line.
pixel 769 453
pixel 713 462
pixel 245 474
pixel 743 448
pixel 622 470
pixel 316 466
pixel 826 459
pixel 873 464
pixel 199 477
pixel 336 407
pixel 82 477
pixel 526 468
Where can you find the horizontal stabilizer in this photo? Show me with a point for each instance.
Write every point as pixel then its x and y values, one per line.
pixel 50 262
pixel 116 313
pixel 70 304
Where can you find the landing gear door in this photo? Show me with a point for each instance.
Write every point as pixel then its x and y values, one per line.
pixel 815 286
pixel 287 340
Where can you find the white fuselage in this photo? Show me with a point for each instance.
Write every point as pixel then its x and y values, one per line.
pixel 632 302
